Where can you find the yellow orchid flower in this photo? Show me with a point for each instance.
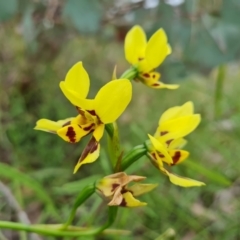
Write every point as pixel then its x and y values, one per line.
pixel 174 124
pixel 115 187
pixel 108 104
pixel 147 56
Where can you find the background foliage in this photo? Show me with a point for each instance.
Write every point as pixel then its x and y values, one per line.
pixel 40 40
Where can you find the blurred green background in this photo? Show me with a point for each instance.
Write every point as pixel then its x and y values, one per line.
pixel 41 39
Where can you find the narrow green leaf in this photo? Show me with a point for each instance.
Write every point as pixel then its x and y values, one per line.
pixel 211 175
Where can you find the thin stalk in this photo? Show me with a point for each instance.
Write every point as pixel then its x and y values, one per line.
pixel 51 230
pixel 57 230
pixel 81 198
pixel 219 90
pixel 133 155
pixel 130 74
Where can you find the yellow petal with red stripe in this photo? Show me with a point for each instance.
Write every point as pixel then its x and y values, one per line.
pixel 178 156
pixel 51 126
pixel 160 148
pixel 151 80
pixel 130 201
pixel 135 44
pixel 71 133
pixel 89 155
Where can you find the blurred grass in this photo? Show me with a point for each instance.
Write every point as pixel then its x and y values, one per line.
pixel 29 91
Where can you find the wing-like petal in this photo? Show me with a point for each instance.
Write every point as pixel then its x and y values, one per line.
pixel 73 97
pixel 98 132
pixel 77 80
pixel 89 155
pixel 138 189
pixel 71 133
pixel 176 112
pixel 157 49
pixel 179 127
pixel 130 201
pixel 159 147
pixel 112 99
pixel 151 80
pixel 178 156
pixel 177 143
pixel 135 45
pixel 184 182
pixel 51 126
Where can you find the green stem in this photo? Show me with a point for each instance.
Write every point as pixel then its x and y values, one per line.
pixel 52 230
pixel 57 230
pixel 112 214
pixel 130 74
pixel 81 198
pixel 110 129
pixel 133 155
pixel 219 89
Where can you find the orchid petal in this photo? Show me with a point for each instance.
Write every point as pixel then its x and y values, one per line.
pixel 112 99
pixel 135 45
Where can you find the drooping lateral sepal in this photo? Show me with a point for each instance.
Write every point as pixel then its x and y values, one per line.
pixel 89 154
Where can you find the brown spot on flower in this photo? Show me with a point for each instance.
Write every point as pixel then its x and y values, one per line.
pixel 123 203
pixel 140 59
pixel 163 133
pixel 92 112
pixel 71 134
pixel 90 148
pixel 124 190
pixel 156 84
pixel 169 141
pixel 154 156
pixel 114 186
pixel 89 127
pixel 65 124
pixel 176 157
pixel 153 75
pixel 160 155
pixel 146 75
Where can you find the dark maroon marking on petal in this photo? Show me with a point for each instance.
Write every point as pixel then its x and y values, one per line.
pixel 169 141
pixel 114 186
pixel 153 75
pixel 160 155
pixel 92 112
pixel 65 124
pixel 147 75
pixel 90 148
pixel 89 127
pixel 123 203
pixel 156 84
pixel 124 190
pixel 71 134
pixel 163 133
pixel 154 156
pixel 176 157
pixel 140 59
pixel 81 112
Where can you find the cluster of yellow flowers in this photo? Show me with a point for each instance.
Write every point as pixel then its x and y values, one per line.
pixel 164 148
